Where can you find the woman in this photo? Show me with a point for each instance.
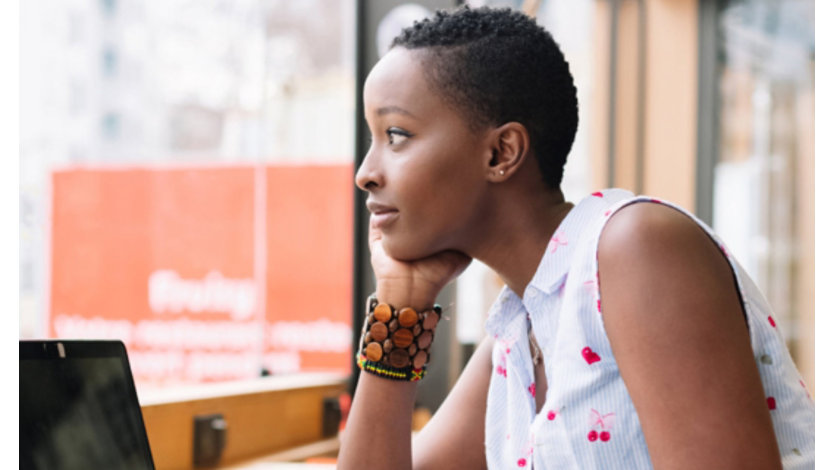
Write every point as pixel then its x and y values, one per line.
pixel 625 337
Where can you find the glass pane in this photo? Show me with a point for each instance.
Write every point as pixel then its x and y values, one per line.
pixel 186 182
pixel 764 176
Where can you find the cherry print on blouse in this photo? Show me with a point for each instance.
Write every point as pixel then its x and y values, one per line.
pixel 597 194
pixel 589 355
pixel 532 389
pixel 553 414
pixel 771 321
pixel 604 421
pixel 590 286
pixel 560 239
pixel 501 368
pixel 522 462
pixel 607 213
pixel 807 393
pixel 599 305
pixel 506 345
pixel 771 403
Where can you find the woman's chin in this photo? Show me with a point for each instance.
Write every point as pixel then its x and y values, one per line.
pixel 404 250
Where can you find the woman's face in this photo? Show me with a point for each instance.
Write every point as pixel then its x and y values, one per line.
pixel 426 169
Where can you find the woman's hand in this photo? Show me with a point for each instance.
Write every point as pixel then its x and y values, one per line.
pixel 416 283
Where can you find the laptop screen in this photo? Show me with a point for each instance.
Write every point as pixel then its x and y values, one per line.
pixel 78 407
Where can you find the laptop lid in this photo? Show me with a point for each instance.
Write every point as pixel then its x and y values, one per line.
pixel 78 407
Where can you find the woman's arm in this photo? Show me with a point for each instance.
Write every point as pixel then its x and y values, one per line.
pixel 378 433
pixel 678 333
pixel 454 437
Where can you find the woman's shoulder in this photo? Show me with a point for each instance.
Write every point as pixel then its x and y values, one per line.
pixel 676 325
pixel 659 249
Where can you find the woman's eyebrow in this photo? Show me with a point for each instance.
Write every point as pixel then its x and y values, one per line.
pixel 392 109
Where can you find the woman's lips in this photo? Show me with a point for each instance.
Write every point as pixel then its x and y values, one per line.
pixel 381 215
pixel 382 219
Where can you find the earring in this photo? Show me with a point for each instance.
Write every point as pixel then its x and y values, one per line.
pixel 501 172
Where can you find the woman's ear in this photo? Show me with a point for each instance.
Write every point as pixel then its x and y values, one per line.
pixel 510 145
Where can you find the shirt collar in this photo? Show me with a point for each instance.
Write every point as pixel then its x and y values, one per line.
pixel 553 268
pixel 556 260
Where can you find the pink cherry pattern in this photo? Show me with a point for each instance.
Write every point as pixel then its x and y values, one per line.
pixel 589 355
pixel 522 462
pixel 532 389
pixel 807 393
pixel 560 239
pixel 590 286
pixel 771 403
pixel 604 421
pixel 771 321
pixel 597 194
pixel 551 415
pixel 501 367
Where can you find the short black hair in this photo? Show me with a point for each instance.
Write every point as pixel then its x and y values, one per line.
pixel 497 66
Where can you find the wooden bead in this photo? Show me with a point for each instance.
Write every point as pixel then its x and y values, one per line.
pixel 402 338
pixel 424 340
pixel 382 312
pixel 412 350
pixel 388 345
pixel 420 359
pixel 398 358
pixel 393 325
pixel 379 331
pixel 373 352
pixel 408 317
pixel 367 338
pixel 417 330
pixel 431 320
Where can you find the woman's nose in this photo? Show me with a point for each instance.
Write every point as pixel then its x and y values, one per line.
pixel 368 175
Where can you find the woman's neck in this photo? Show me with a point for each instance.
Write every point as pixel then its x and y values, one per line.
pixel 513 246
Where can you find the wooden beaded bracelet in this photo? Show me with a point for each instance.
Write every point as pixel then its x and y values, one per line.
pixel 395 342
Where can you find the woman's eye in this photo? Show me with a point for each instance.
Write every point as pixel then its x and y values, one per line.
pixel 396 136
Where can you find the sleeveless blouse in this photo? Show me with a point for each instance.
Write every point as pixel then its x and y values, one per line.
pixel 588 419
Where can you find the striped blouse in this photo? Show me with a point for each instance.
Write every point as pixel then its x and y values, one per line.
pixel 588 420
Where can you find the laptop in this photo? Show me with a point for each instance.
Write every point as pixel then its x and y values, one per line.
pixel 78 407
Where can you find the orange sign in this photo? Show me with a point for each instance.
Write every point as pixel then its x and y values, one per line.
pixel 206 273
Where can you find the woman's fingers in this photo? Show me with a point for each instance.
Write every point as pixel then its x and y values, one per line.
pixel 435 270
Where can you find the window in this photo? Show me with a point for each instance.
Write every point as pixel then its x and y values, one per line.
pixel 763 187
pixel 195 201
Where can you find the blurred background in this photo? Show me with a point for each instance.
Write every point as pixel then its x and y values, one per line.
pixel 186 166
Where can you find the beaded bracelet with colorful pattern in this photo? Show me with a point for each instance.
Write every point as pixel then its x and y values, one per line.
pixel 395 342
